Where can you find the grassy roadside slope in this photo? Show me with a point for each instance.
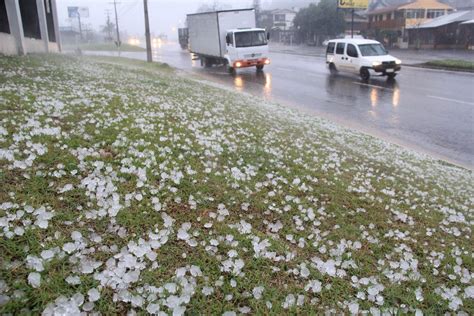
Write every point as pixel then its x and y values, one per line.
pixel 126 187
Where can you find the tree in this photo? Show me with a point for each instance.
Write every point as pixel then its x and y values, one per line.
pixel 319 21
pixel 108 29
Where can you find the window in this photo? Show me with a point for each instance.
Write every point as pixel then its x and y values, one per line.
pixel 230 39
pixel 280 18
pixel 372 50
pixel 30 20
pixel 415 14
pixel 330 49
pixel 247 39
pixel 351 50
pixel 432 13
pixel 340 48
pixel 4 26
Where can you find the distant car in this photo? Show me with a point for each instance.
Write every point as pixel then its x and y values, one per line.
pixel 361 56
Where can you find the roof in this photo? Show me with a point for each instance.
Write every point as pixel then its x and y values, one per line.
pixel 468 22
pixel 426 4
pixel 356 41
pixel 458 16
pixel 417 4
pixel 219 11
pixel 283 11
pixel 246 29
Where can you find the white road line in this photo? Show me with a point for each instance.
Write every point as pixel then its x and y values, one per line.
pixel 371 85
pixel 450 100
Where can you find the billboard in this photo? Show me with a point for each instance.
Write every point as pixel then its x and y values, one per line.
pixel 353 4
pixel 74 12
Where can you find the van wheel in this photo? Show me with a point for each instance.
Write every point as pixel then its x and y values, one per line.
pixel 391 76
pixel 332 69
pixel 364 74
pixel 259 67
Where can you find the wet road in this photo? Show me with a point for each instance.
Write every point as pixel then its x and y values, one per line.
pixel 427 110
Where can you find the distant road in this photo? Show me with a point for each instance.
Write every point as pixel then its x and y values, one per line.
pixel 427 110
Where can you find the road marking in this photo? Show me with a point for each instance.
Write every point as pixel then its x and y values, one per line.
pixel 450 100
pixel 371 85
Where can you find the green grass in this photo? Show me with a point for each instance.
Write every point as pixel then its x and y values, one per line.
pixel 452 64
pixel 127 126
pixel 107 47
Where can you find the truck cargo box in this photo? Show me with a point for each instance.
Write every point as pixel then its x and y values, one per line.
pixel 207 31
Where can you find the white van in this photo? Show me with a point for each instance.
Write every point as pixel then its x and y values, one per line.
pixel 361 56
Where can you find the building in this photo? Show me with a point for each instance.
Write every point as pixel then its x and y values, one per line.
pixel 279 23
pixel 454 30
pixel 360 22
pixel 388 24
pixel 28 26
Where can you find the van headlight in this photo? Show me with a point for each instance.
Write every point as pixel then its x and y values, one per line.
pixel 376 63
pixel 398 61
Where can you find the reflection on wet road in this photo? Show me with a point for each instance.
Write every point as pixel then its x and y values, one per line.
pixel 431 111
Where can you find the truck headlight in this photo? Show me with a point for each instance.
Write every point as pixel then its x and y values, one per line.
pixel 398 61
pixel 376 63
pixel 267 61
pixel 238 64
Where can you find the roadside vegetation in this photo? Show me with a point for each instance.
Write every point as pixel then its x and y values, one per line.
pixel 127 187
pixel 106 47
pixel 454 64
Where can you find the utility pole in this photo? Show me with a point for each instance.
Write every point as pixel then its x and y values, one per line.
pixel 80 24
pixel 149 57
pixel 118 43
pixel 352 23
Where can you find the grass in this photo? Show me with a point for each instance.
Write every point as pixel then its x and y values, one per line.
pixel 162 147
pixel 452 64
pixel 107 47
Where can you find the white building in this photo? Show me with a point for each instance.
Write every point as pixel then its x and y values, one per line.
pixel 283 19
pixel 28 26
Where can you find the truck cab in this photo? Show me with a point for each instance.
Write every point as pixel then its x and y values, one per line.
pixel 246 47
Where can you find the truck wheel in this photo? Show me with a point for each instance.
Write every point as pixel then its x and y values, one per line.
pixel 231 70
pixel 259 67
pixel 364 74
pixel 332 69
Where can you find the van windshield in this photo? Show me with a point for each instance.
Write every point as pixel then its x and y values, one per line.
pixel 251 38
pixel 372 50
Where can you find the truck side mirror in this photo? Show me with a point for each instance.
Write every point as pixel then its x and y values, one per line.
pixel 227 39
pixel 268 36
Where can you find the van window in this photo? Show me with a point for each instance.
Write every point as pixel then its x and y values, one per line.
pixel 340 48
pixel 330 49
pixel 351 50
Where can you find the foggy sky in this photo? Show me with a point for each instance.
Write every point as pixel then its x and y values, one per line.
pixel 165 15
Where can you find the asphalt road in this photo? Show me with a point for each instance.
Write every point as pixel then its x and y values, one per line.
pixel 430 111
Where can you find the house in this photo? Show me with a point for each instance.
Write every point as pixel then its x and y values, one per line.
pixel 283 19
pixel 279 23
pixel 388 24
pixel 360 21
pixel 28 26
pixel 454 30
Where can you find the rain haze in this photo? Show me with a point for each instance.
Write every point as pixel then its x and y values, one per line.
pixel 165 16
pixel 236 157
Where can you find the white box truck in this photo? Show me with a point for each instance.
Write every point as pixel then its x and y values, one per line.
pixel 228 37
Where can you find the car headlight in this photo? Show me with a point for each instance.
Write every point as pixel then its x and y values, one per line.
pixel 398 61
pixel 376 63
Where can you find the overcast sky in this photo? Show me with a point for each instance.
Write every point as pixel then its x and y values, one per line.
pixel 165 15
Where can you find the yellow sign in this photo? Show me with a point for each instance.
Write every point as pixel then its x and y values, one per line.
pixel 353 4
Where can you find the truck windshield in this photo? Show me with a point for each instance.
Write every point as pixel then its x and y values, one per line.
pixel 251 38
pixel 372 50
